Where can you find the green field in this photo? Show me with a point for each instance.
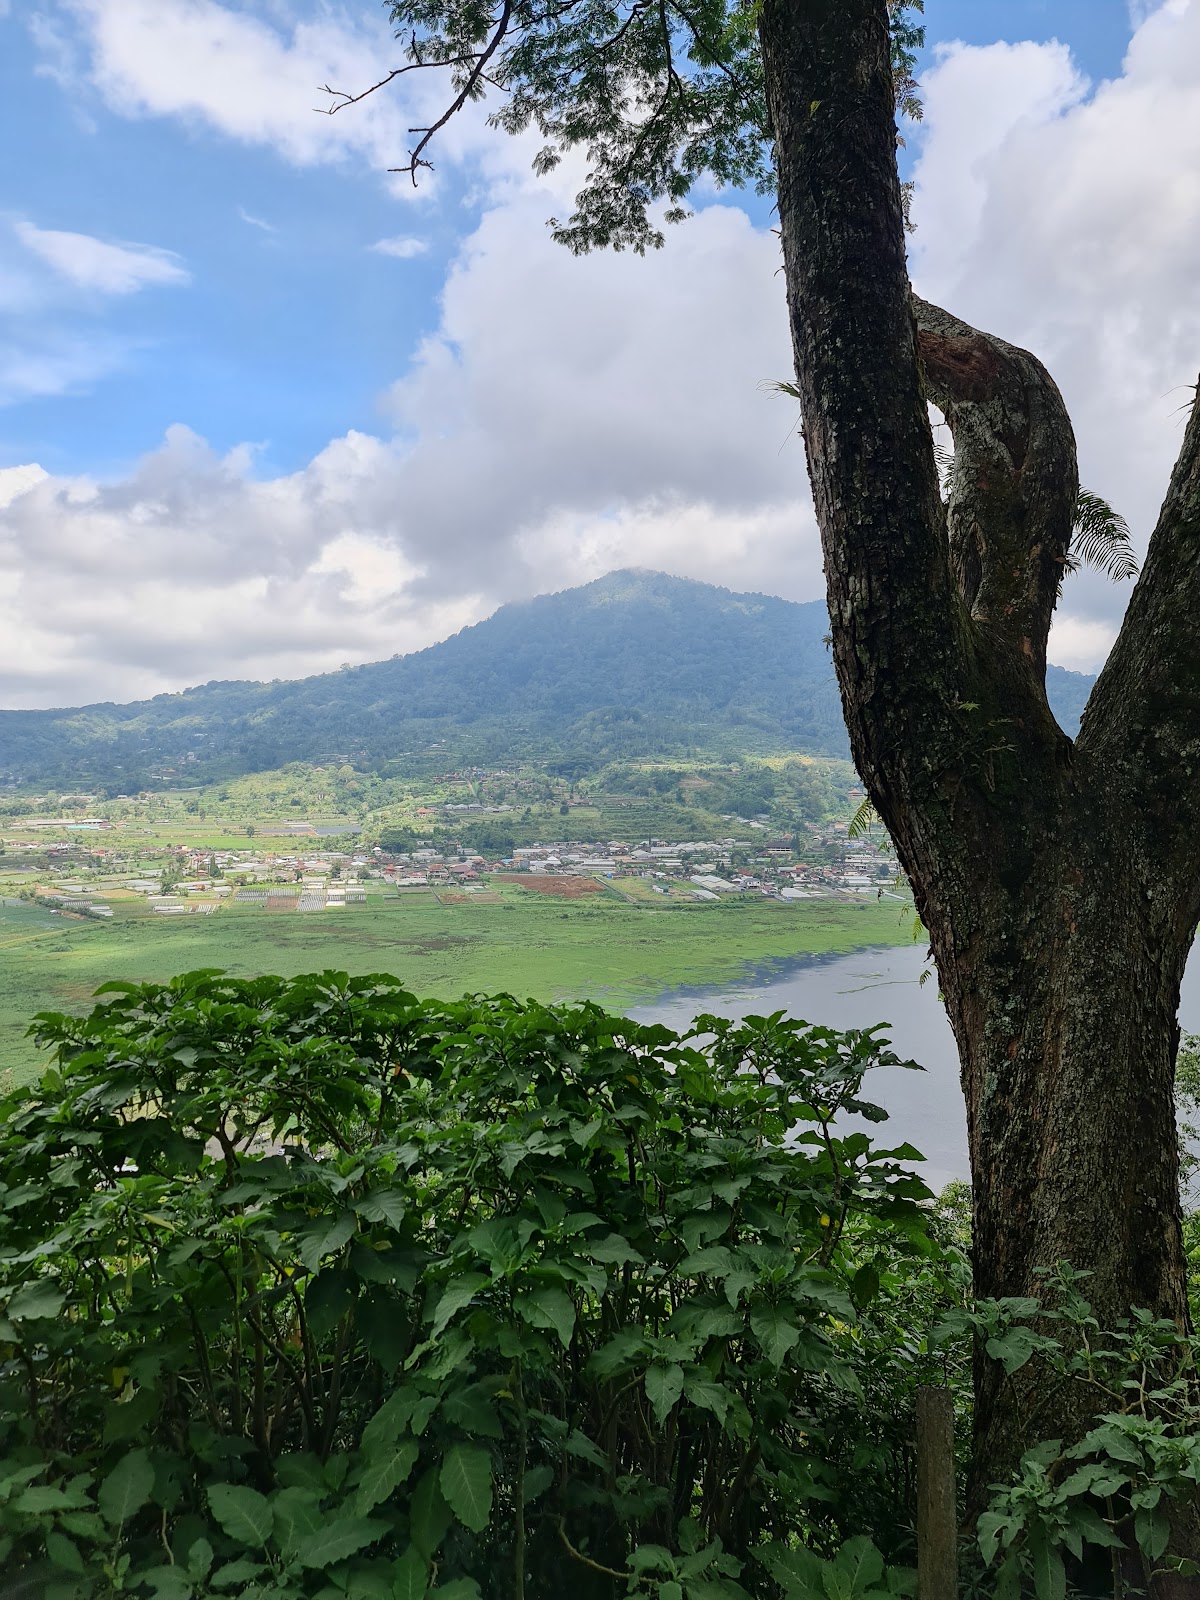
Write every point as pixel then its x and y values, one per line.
pixel 607 948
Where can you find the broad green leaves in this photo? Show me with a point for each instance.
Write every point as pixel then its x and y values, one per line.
pixel 466 1483
pixel 127 1487
pixel 243 1513
pixel 374 1273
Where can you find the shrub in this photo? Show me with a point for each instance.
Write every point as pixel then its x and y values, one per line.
pixel 310 1288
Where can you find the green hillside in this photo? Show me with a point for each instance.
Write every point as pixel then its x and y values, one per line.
pixel 634 664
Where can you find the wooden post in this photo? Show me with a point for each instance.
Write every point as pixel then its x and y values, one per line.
pixel 937 1522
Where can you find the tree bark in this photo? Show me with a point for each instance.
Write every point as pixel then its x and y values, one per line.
pixel 1059 881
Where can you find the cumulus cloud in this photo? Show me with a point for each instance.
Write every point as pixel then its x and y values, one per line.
pixel 97 264
pixel 1066 217
pixel 567 416
pixel 254 72
pixel 189 569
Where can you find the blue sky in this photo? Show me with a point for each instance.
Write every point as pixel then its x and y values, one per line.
pixel 198 329
pixel 283 338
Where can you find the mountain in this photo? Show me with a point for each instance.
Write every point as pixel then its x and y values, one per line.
pixel 636 663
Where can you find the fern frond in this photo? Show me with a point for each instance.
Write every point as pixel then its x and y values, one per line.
pixel 1100 537
pixel 863 820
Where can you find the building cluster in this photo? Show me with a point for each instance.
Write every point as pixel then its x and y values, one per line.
pixel 704 869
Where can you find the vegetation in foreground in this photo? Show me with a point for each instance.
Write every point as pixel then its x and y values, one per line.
pixel 310 1289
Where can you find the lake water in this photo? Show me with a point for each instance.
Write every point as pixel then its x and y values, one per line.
pixel 872 986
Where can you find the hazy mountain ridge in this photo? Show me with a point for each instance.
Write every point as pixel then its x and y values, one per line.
pixel 636 663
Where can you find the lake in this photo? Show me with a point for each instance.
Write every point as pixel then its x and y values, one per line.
pixel 872 986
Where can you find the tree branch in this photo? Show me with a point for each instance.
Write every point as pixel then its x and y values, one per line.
pixel 1014 483
pixel 467 92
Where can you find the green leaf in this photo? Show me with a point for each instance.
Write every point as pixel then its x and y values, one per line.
pixel 390 1420
pixel 127 1487
pixel 474 1410
pixel 339 1539
pixel 456 1589
pixel 775 1332
pixel 410 1579
pixel 243 1513
pixel 664 1385
pixel 1093 1527
pixel 612 1250
pixel 537 1481
pixel 709 1396
pixel 327 1298
pixel 383 1322
pixel 989 1530
pixel 715 1261
pixel 384 1473
pixel 324 1238
pixel 383 1205
pixel 862 1563
pixel 1008 1581
pixel 199 1558
pixel 429 1516
pixel 167 1583
pixel 239 1571
pixel 42 1497
pixel 651 1558
pixel 550 1307
pixel 459 1292
pixel 864 1285
pixel 63 1553
pixel 1049 1573
pixel 796 1569
pixel 297 1514
pixel 1152 1531
pixel 36 1301
pixel 466 1482
pixel 837 1583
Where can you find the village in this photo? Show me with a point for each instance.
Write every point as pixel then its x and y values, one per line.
pixel 84 877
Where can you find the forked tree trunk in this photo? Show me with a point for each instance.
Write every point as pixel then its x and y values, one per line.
pixel 1060 881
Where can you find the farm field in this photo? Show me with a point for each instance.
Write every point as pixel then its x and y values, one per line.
pixel 601 946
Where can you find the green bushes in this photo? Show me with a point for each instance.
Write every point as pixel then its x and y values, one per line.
pixel 310 1288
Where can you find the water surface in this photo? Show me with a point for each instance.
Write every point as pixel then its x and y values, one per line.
pixel 872 986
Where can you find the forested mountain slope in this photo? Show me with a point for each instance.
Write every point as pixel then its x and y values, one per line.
pixel 636 663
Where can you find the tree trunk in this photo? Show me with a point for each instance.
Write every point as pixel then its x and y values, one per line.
pixel 1063 995
pixel 1059 881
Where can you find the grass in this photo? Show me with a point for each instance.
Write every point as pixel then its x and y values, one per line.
pixel 607 948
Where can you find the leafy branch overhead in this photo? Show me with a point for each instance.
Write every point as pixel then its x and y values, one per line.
pixel 658 93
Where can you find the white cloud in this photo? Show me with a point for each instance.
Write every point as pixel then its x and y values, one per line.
pixel 96 264
pixel 1068 220
pixel 257 79
pixel 402 248
pixel 15 480
pixel 570 415
pixel 566 417
pixel 34 365
pixel 255 222
pixel 188 569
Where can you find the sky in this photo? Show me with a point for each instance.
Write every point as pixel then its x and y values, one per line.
pixel 265 408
